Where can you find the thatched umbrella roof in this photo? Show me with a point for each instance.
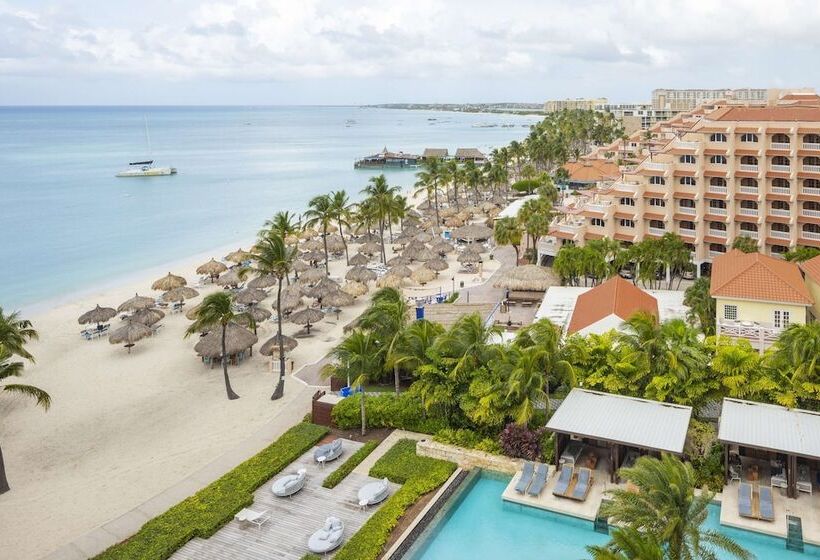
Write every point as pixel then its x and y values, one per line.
pixel 335 243
pixel 401 270
pixel 454 222
pixel 323 288
pixel 446 212
pixel 230 278
pixel 169 282
pixel 436 265
pixel 237 339
pixel 291 298
pixel 313 245
pixel 314 256
pixel 529 277
pixel 473 209
pixel 338 298
pixel 250 296
pixel 191 313
pixel 312 275
pixel 212 268
pixel 271 347
pixel 179 294
pixel 264 281
pixel 300 266
pixel 359 259
pixel 398 260
pixel 469 256
pixel 424 255
pixel 422 275
pixel 488 206
pixel 147 316
pixel 307 317
pixel 370 248
pixel 403 239
pixel 238 256
pixel 97 315
pixel 355 289
pixel 129 334
pixel 473 231
pixel 259 314
pixel 442 247
pixel 368 238
pixel 360 274
pixel 424 237
pixel 307 233
pixel 291 239
pixel 389 281
pixel 136 303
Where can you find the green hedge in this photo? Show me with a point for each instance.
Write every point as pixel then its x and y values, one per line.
pixel 311 556
pixel 202 514
pixel 418 475
pixel 402 411
pixel 352 462
pixel 468 439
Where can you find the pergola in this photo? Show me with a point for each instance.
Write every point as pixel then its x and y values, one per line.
pixel 616 421
pixel 770 428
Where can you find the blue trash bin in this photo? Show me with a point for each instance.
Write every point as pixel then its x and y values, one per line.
pixel 345 391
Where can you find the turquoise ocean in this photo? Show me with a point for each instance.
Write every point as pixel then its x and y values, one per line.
pixel 69 225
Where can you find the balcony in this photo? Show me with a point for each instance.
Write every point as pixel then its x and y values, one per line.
pixel 687 145
pixel 602 206
pixel 747 233
pixel 655 166
pixel 748 211
pixel 571 228
pixel 746 189
pixel 776 234
pixel 630 188
pixel 781 190
pixel 660 232
pixel 780 212
pixel 810 213
pixel 811 168
pixel 717 232
pixel 687 232
pixel 811 146
pixel 781 146
pixel 717 189
pixel 781 168
pixel 814 235
pixel 717 211
pixel 687 210
pixel 748 167
pixel 810 190
pixel 760 335
pixel 714 254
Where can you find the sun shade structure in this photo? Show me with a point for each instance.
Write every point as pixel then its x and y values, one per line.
pixel 389 281
pixel 300 266
pixel 401 270
pixel 620 421
pixel 169 282
pixel 768 427
pixel 442 247
pixel 338 298
pixel 423 275
pixel 258 313
pixel 129 334
pixel 359 259
pixel 97 315
pixel 436 265
pixel 212 268
pixel 239 256
pixel 148 316
pixel 271 347
pixel 370 248
pixel 179 294
pixel 250 296
pixel 264 281
pixel 307 317
pixel 237 339
pixel 314 256
pixel 529 277
pixel 324 287
pixel 291 298
pixel 230 278
pixel 355 289
pixel 136 303
pixel 398 260
pixel 469 256
pixel 473 231
pixel 312 276
pixel 360 274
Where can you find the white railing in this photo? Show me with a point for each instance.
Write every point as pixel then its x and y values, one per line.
pixel 657 231
pixel 811 146
pixel 810 235
pixel 780 234
pixel 810 190
pixel 810 213
pixel 780 212
pixel 625 187
pixel 717 189
pixel 548 246
pixel 747 233
pixel 782 190
pixel 717 211
pixel 687 145
pixel 761 335
pixel 749 167
pixel 687 232
pixel 655 166
pixel 717 232
pixel 811 168
pixel 687 210
pixel 781 168
pixel 570 228
pixel 748 211
pixel 716 253
pixel 748 190
pixel 781 146
pixel 601 206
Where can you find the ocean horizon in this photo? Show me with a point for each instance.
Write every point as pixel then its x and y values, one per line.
pixel 72 226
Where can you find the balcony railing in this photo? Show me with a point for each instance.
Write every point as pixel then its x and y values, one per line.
pixel 717 232
pixel 780 212
pixel 625 187
pixel 717 211
pixel 657 231
pixel 687 145
pixel 761 335
pixel 748 167
pixel 782 190
pixel 717 189
pixel 570 228
pixel 687 232
pixel 748 211
pixel 781 146
pixel 810 213
pixel 655 166
pixel 780 234
pixel 781 168
pixel 815 235
pixel 810 190
pixel 687 210
pixel 747 233
pixel 746 189
pixel 714 254
pixel 811 146
pixel 600 206
pixel 811 168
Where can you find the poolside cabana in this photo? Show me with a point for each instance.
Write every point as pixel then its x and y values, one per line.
pixel 627 426
pixel 785 442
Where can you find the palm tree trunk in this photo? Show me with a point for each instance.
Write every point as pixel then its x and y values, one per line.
pixel 381 237
pixel 231 394
pixel 364 418
pixel 390 226
pixel 396 378
pixel 4 482
pixel 342 233
pixel 279 392
pixel 324 238
pixel 435 196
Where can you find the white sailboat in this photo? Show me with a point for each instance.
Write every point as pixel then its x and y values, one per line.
pixel 146 167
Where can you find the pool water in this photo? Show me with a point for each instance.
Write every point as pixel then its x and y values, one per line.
pixel 479 525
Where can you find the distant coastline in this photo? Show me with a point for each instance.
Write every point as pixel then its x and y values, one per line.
pixel 498 108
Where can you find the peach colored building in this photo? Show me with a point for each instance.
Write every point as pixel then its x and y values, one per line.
pixel 712 175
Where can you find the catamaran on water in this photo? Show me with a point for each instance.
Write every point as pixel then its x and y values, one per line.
pixel 146 167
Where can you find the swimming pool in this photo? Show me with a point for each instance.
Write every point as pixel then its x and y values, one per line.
pixel 480 526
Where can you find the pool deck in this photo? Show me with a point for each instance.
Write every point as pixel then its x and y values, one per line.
pixel 805 506
pixel 293 519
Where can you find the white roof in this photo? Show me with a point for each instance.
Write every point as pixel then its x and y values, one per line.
pixel 559 303
pixel 636 422
pixel 772 427
pixel 511 211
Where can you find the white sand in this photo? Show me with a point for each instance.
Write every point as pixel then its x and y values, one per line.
pixel 122 427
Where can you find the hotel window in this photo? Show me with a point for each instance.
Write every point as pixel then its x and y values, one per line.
pixel 780 160
pixel 811 139
pixel 717 204
pixel 717 137
pixel 730 312
pixel 719 160
pixel 687 158
pixel 781 319
pixel 657 202
pixel 781 139
pixel 686 203
pixel 780 205
pixel 597 222
pixel 657 180
pixel 689 181
pixel 780 183
pixel 686 224
pixel 811 183
pixel 627 223
pixel 717 226
pixel 627 201
pixel 657 224
pixel 748 137
pixel 748 182
pixel 717 182
pixel 748 160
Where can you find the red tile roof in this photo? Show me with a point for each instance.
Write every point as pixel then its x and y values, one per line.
pixel 789 113
pixel 592 170
pixel 812 268
pixel 755 276
pixel 617 297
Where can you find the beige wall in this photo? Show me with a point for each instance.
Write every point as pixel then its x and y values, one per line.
pixel 814 290
pixel 760 312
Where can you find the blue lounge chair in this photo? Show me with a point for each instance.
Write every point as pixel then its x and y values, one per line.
pixel 526 478
pixel 564 478
pixel 539 480
pixel 583 483
pixel 766 503
pixel 744 500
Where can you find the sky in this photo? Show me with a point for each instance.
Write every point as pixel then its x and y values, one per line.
pixel 179 52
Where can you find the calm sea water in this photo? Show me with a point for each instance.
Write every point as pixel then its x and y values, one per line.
pixel 69 224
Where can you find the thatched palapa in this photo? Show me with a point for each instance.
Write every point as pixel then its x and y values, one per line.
pixel 271 347
pixel 212 268
pixel 360 274
pixel 97 315
pixel 239 256
pixel 169 282
pixel 129 334
pixel 422 276
pixel 529 277
pixel 264 281
pixel 136 303
pixel 473 231
pixel 148 316
pixel 249 296
pixel 437 265
pixel 237 339
pixel 179 294
pixel 312 275
pixel 355 289
pixel 231 278
pixel 337 299
pixel 359 259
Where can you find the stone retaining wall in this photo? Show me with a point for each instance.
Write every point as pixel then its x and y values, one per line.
pixel 468 458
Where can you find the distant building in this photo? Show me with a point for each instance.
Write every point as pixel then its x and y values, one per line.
pixel 687 99
pixel 636 116
pixel 470 154
pixel 386 158
pixel 588 173
pixel 438 153
pixel 579 103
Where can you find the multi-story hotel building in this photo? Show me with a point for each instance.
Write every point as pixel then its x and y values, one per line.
pixel 710 176
pixel 555 105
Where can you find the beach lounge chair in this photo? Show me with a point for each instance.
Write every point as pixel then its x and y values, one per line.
pixel 539 480
pixel 564 478
pixel 766 503
pixel 734 473
pixel 328 452
pixel 744 500
pixel 373 493
pixel 526 478
pixel 583 483
pixel 328 538
pixel 253 517
pixel 290 484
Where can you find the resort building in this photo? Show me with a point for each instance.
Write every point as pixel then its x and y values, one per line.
pixel 470 154
pixel 387 158
pixel 588 173
pixel 758 296
pixel 438 153
pixel 585 104
pixel 636 116
pixel 687 99
pixel 712 175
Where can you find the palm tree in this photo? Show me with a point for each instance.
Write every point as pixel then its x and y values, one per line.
pixel 535 217
pixel 628 544
pixel 14 334
pixel 793 366
pixel 413 348
pixel 546 337
pixel 357 356
pixel 455 174
pixel 381 199
pixel 428 179
pixel 216 310
pixel 666 508
pixel 386 318
pixel 282 224
pixel 508 232
pixel 468 343
pixel 320 213
pixel 341 208
pixel 526 382
pixel 275 258
pixel 737 365
pixel 474 178
pixel 701 304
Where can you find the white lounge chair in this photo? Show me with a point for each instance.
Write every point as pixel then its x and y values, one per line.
pixel 373 493
pixel 289 484
pixel 253 517
pixel 328 452
pixel 328 538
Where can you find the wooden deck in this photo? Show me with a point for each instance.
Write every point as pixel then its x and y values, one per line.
pixel 293 520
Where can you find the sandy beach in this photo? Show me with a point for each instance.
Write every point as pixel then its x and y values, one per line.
pixel 123 427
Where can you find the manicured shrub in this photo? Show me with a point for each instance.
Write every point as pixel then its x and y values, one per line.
pixel 468 439
pixel 202 514
pixel 521 442
pixel 548 447
pixel 352 462
pixel 311 556
pixel 402 411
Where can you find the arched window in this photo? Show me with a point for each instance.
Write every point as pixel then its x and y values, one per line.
pixel 657 180
pixel 717 182
pixel 748 160
pixel 686 203
pixel 748 204
pixel 748 182
pixel 746 226
pixel 719 160
pixel 782 227
pixel 717 137
pixel 688 181
pixel 780 205
pixel 687 158
pixel 748 137
pixel 717 248
pixel 781 185
pixel 719 226
pixel 811 139
pixel 780 138
pixel 686 224
pixel 657 224
pixel 814 161
pixel 781 160
pixel 811 183
pixel 779 249
pixel 811 228
pixel 812 206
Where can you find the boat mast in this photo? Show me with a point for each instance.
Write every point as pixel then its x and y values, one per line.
pixel 148 138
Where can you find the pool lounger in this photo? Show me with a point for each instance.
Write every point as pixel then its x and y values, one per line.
pixel 583 483
pixel 526 478
pixel 564 478
pixel 766 503
pixel 744 500
pixel 539 480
